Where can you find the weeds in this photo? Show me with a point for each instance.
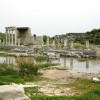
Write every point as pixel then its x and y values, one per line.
pixel 27 72
pixel 41 58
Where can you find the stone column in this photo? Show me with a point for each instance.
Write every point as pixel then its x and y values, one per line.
pixel 47 41
pixel 53 44
pixel 58 44
pixel 42 41
pixel 87 44
pixel 72 45
pixel 65 42
pixel 12 36
pixel 6 37
pixel 15 37
pixel 64 62
pixel 9 37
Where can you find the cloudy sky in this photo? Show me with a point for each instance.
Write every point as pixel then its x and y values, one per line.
pixel 50 17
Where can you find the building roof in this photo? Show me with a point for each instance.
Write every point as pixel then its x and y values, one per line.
pixel 22 28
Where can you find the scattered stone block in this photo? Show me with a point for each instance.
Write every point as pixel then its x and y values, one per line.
pixel 12 92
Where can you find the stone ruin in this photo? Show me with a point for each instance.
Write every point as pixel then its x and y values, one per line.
pixel 12 92
pixel 21 36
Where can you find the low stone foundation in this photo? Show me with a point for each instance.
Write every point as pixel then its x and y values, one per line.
pixel 12 92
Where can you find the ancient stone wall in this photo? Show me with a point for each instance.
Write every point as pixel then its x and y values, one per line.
pixel 21 36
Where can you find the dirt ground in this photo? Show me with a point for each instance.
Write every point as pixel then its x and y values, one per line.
pixel 50 87
pixel 63 74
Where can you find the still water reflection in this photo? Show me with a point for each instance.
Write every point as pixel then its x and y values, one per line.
pixel 80 65
pixel 71 64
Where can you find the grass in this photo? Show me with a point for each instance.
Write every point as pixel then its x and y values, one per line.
pixel 86 89
pixel 83 85
pixel 41 58
pixel 91 95
pixel 92 92
pixel 27 72
pixel 3 55
pixel 45 65
pixel 30 91
pixel 8 79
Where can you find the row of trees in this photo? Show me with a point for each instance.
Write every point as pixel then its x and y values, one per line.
pixel 94 36
pixel 2 35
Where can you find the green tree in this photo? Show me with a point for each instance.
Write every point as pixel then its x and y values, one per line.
pixel 34 36
pixel 44 38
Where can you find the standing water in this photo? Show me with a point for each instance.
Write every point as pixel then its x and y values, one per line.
pixel 71 64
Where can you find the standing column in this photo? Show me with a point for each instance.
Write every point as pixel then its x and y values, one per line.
pixel 42 41
pixel 87 44
pixel 72 45
pixel 58 44
pixel 9 37
pixel 65 42
pixel 47 41
pixel 53 44
pixel 15 36
pixel 6 36
pixel 64 62
pixel 12 37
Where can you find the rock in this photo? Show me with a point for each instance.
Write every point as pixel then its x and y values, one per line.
pixel 12 92
pixel 96 80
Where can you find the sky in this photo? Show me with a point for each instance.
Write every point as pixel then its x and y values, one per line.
pixel 50 17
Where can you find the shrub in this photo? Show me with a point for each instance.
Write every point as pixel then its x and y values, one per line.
pixel 41 58
pixel 6 69
pixel 27 69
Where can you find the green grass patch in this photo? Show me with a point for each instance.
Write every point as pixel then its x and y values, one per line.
pixel 41 58
pixel 3 55
pixel 82 85
pixel 45 65
pixel 30 91
pixel 87 89
pixel 27 72
pixel 8 79
pixel 91 95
